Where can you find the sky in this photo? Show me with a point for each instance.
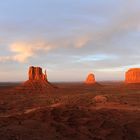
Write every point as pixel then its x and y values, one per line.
pixel 69 38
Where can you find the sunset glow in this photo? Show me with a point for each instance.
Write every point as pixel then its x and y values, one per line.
pixel 69 38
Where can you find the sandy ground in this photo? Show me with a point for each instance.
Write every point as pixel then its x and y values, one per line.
pixel 73 111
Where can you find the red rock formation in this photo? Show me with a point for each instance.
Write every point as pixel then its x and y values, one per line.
pixel 35 73
pixel 90 79
pixel 132 75
pixel 37 81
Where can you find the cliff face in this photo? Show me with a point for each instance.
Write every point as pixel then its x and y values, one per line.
pixel 132 75
pixel 90 79
pixel 35 73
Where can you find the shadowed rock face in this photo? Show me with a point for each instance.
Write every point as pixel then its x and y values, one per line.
pixel 132 75
pixel 90 79
pixel 35 73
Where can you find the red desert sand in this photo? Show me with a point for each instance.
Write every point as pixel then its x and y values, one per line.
pixel 73 111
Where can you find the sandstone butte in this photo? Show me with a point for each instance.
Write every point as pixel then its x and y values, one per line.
pixel 37 80
pixel 90 79
pixel 35 73
pixel 132 76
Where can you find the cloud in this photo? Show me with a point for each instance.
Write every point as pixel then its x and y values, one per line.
pixel 90 36
pixel 101 40
pixel 82 41
pixel 22 51
pixel 5 58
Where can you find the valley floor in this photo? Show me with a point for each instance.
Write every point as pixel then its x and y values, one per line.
pixel 73 111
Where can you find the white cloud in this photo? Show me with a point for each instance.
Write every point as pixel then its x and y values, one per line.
pixel 95 41
pixel 22 51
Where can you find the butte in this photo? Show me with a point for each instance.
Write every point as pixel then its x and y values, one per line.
pixel 37 81
pixel 132 79
pixel 132 76
pixel 90 79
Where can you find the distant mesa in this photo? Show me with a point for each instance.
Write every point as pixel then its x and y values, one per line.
pixel 90 79
pixel 132 76
pixel 37 80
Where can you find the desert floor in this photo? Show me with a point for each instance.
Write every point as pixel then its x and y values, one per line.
pixel 73 111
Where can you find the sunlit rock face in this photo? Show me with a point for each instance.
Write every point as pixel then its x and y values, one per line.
pixel 132 75
pixel 90 79
pixel 35 73
pixel 37 82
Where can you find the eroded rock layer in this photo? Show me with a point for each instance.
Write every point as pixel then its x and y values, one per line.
pixel 35 73
pixel 132 76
